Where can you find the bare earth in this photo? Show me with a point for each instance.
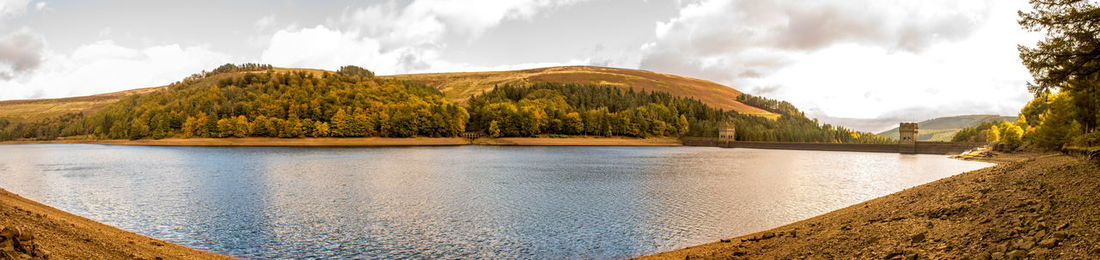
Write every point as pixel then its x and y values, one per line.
pixel 66 236
pixel 1046 207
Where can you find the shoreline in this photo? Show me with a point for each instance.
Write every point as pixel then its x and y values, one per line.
pixel 1034 205
pixel 1025 206
pixel 371 141
pixel 63 235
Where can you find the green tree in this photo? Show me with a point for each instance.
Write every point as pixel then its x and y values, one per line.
pixel 241 127
pixel 138 129
pixel 341 125
pixel 1066 61
pixel 1071 49
pixel 320 129
pixel 1011 135
pixel 355 71
pixel 494 128
pixel 1057 126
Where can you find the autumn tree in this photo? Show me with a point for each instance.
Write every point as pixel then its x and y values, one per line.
pixel 1066 61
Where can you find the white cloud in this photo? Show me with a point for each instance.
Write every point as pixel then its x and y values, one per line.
pixel 428 21
pixel 857 59
pixel 396 39
pixel 12 7
pixel 104 66
pixel 20 52
pixel 266 22
pixel 40 6
pixel 381 37
pixel 321 47
pixel 324 48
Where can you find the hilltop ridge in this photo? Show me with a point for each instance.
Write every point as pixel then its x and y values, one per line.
pixel 463 85
pixel 458 86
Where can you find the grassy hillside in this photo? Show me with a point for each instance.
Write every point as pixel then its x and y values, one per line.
pixel 33 109
pixel 257 100
pixel 943 128
pixel 460 86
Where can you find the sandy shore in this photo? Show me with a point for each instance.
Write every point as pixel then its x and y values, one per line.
pixel 1044 207
pixel 374 141
pixel 66 236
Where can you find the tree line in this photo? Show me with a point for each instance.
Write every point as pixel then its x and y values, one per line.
pixel 1065 66
pixel 572 109
pixel 349 103
pixel 254 100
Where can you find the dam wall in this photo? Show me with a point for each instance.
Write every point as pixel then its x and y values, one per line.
pixel 914 148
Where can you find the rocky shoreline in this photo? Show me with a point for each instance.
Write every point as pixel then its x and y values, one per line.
pixel 1038 207
pixel 34 230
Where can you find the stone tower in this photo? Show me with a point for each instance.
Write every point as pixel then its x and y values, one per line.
pixel 727 133
pixel 908 133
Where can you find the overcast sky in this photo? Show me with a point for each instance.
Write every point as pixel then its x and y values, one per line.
pixel 865 64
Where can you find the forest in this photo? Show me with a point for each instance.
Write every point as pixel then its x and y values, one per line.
pixel 253 100
pixel 225 103
pixel 1065 66
pixel 568 109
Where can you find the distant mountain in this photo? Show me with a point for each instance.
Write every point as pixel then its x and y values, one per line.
pixel 943 128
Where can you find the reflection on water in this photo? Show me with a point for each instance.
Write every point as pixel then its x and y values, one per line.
pixel 453 202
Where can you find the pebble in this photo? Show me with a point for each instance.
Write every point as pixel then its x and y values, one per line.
pixel 1061 235
pixel 1025 243
pixel 1017 254
pixel 1048 243
pixel 918 238
pixel 16 243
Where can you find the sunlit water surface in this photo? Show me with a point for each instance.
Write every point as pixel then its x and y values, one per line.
pixel 453 202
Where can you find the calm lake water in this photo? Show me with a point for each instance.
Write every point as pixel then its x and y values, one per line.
pixel 453 202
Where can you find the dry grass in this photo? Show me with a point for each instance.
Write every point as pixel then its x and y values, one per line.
pixel 34 109
pixel 458 86
pixel 463 85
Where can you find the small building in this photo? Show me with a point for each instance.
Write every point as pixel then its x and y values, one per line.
pixel 727 133
pixel 473 135
pixel 907 133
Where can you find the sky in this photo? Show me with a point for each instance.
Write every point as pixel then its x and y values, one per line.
pixel 863 64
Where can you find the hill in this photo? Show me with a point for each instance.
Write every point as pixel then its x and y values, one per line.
pixel 457 86
pixel 257 100
pixel 943 128
pixel 460 86
pixel 32 109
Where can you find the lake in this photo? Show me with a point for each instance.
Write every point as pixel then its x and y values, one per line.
pixel 453 202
